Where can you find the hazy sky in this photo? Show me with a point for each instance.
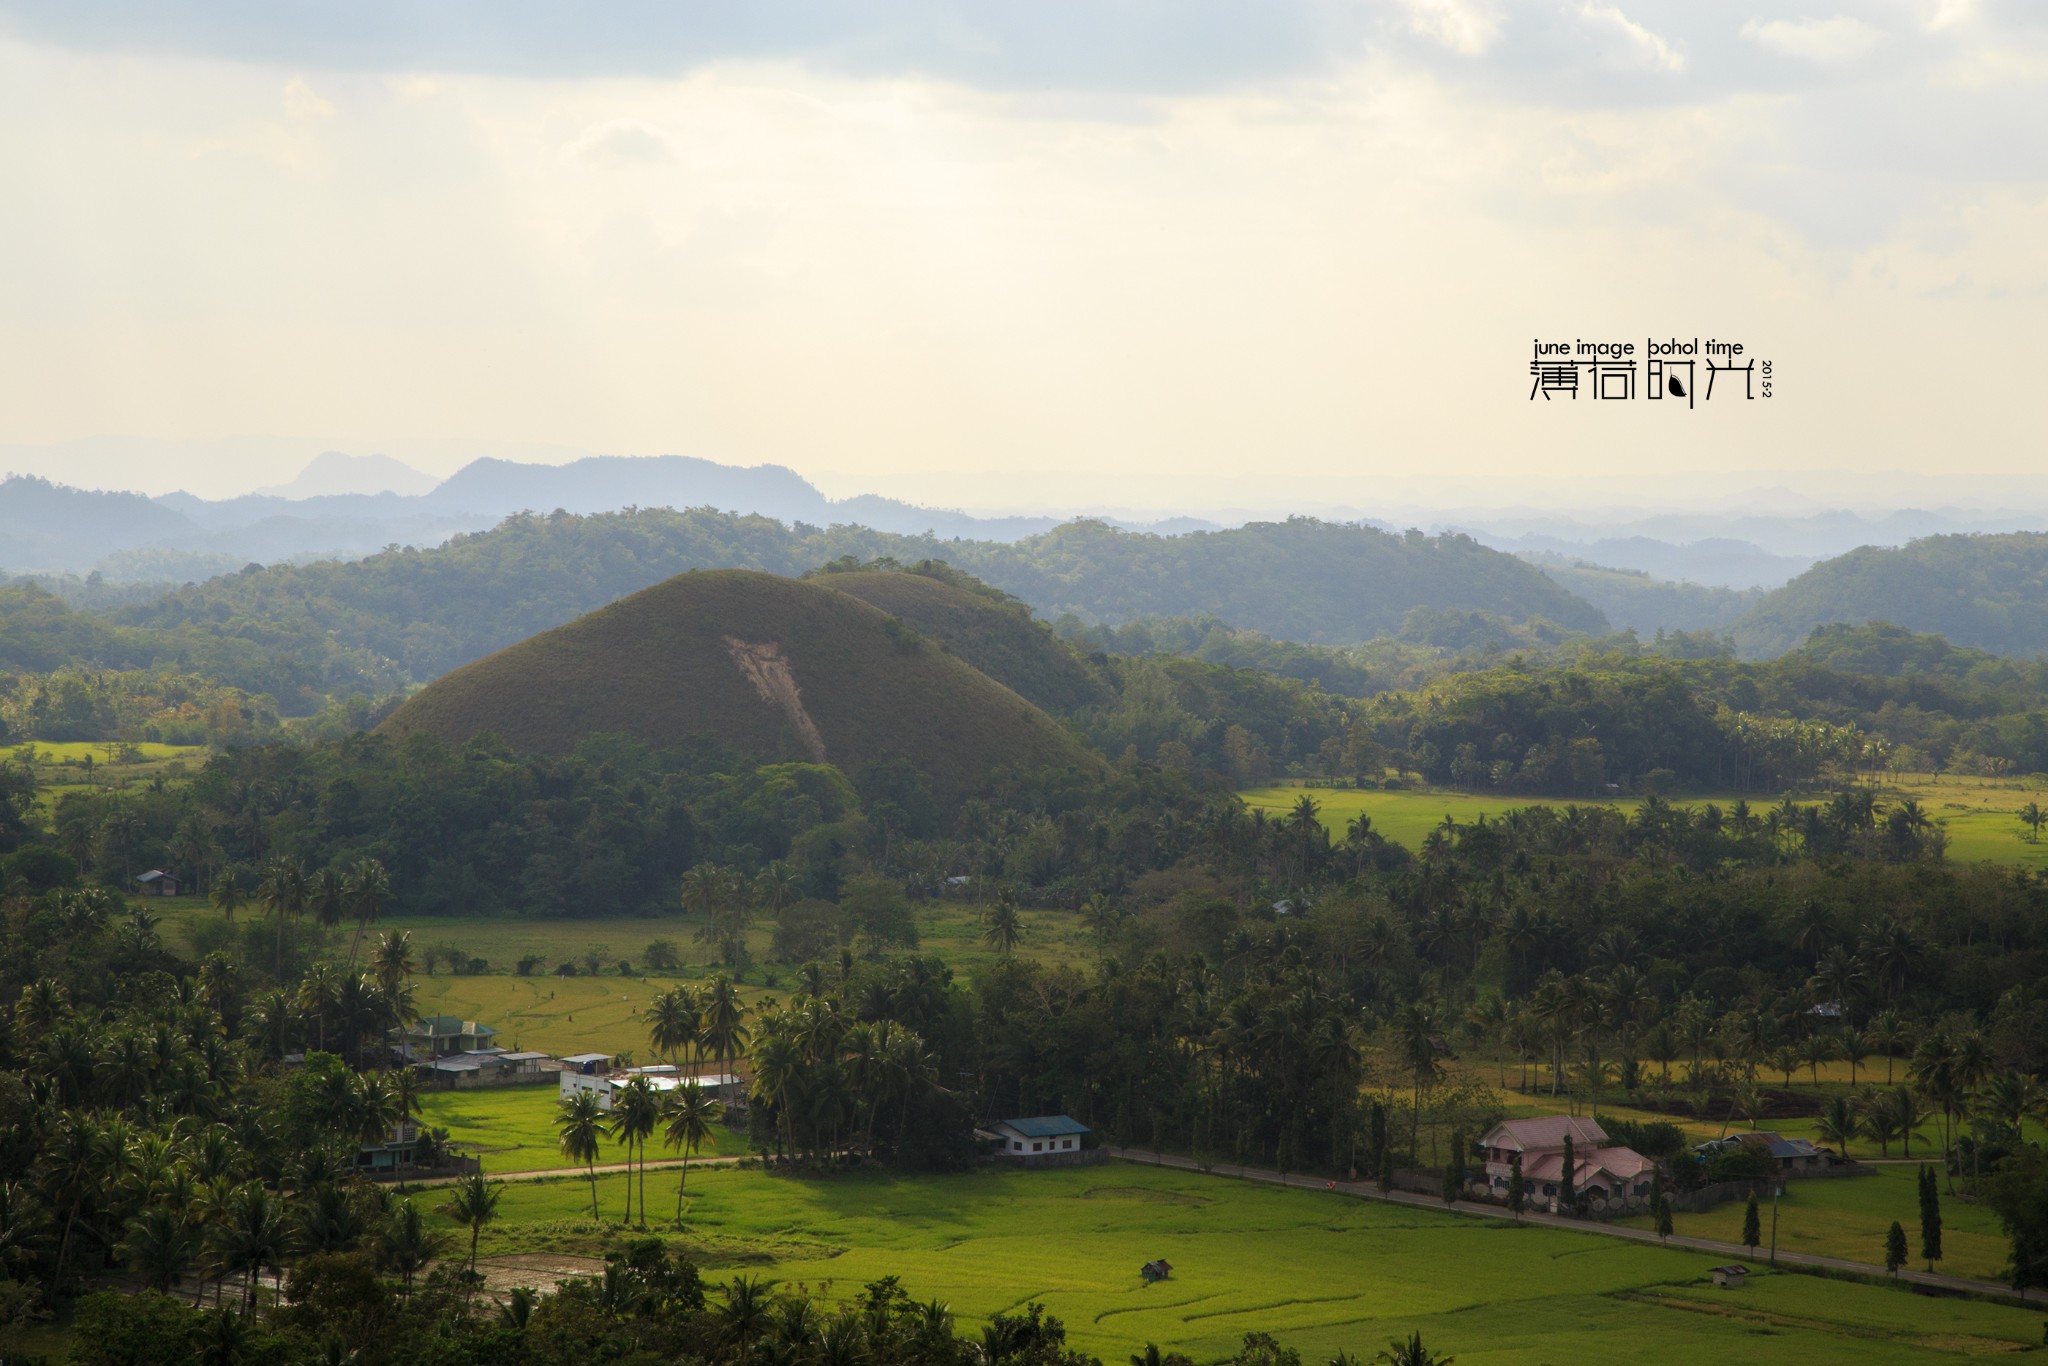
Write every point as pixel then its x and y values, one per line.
pixel 1165 253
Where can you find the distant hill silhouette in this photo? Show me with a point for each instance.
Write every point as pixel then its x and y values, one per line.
pixel 777 668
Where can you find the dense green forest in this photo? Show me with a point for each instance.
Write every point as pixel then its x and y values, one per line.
pixel 431 611
pixel 1989 592
pixel 1633 600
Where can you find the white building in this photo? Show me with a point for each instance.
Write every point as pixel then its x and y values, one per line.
pixel 663 1078
pixel 1038 1138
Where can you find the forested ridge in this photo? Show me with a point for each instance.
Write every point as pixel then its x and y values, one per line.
pixel 1988 592
pixel 430 611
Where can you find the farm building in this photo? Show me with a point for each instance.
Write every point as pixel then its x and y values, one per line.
pixel 1793 1156
pixel 723 1087
pixel 1731 1277
pixel 157 882
pixel 487 1067
pixel 1600 1170
pixel 1036 1138
pixel 438 1036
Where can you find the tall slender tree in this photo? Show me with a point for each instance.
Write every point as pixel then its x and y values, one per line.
pixel 690 1113
pixel 579 1131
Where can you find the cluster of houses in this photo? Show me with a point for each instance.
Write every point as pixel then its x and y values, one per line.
pixel 1606 1171
pixel 456 1054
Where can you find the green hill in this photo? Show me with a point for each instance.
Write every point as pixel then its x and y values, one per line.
pixel 776 668
pixel 1981 592
pixel 429 611
pixel 1633 600
pixel 986 627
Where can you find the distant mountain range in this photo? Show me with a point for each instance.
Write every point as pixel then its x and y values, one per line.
pixel 1766 580
pixel 50 528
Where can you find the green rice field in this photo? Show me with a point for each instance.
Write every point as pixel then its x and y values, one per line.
pixel 1978 815
pixel 1321 1272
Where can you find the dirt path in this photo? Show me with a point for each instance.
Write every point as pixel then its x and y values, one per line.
pixel 666 1164
pixel 1366 1191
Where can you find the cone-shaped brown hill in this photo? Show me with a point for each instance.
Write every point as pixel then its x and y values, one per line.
pixel 776 667
pixel 990 630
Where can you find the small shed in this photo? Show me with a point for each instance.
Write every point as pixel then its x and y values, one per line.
pixel 1156 1271
pixel 587 1064
pixel 157 882
pixel 1731 1276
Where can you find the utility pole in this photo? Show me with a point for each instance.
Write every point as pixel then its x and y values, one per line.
pixel 1776 1191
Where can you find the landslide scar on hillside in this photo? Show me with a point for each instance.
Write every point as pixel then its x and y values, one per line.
pixel 768 671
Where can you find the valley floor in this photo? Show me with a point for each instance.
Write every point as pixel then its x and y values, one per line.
pixel 1321 1272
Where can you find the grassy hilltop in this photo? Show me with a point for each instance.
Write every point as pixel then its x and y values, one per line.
pixel 986 627
pixel 773 667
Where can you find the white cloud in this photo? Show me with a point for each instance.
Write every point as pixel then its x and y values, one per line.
pixel 1839 39
pixel 622 142
pixel 1949 13
pixel 303 104
pixel 1463 27
pixel 1641 47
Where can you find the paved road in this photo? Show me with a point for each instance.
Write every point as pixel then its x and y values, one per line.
pixel 1366 1191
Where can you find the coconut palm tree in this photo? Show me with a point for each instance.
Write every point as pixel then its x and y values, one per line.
pixel 473 1203
pixel 1004 927
pixel 408 1244
pixel 392 961
pixel 579 1131
pixel 228 897
pixel 778 1075
pixel 636 1109
pixel 250 1236
pixel 689 1116
pixel 1410 1353
pixel 160 1245
pixel 723 1028
pixel 282 894
pixel 1888 1034
pixel 369 887
pixel 1839 1122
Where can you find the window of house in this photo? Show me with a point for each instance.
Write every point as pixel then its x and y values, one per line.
pixel 1017 1146
pixel 1068 1144
pixel 1037 1147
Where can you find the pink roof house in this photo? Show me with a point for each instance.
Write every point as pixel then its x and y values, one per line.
pixel 1600 1168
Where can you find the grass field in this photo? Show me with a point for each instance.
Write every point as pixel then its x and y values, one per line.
pixel 1978 814
pixel 1320 1272
pixel 1848 1218
pixel 602 1014
pixel 61 766
pixel 512 1128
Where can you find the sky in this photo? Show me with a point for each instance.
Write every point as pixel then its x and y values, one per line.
pixel 1165 254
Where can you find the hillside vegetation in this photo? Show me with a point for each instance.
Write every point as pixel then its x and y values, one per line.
pixel 1635 601
pixel 430 611
pixel 1985 592
pixel 770 667
pixel 989 629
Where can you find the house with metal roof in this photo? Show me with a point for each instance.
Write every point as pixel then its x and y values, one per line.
pixel 437 1036
pixel 1036 1138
